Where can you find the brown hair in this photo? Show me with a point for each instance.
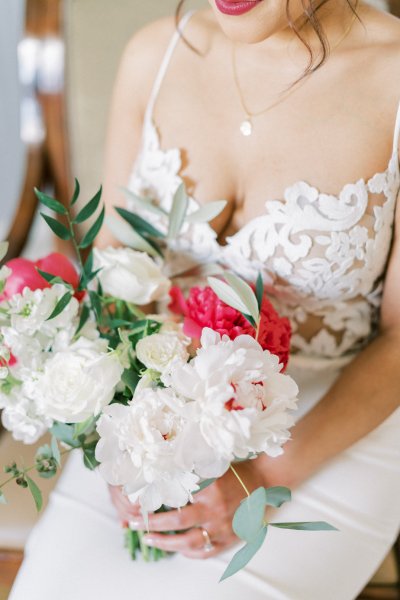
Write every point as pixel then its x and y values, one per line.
pixel 311 17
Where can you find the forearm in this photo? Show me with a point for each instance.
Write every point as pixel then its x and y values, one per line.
pixel 365 394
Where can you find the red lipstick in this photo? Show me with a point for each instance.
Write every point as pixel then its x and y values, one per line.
pixel 236 7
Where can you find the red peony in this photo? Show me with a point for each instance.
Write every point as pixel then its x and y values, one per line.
pixel 24 274
pixel 203 308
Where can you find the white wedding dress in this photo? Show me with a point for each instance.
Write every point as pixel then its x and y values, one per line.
pixel 324 257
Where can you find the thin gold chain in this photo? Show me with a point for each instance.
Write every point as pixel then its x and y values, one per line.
pixel 251 114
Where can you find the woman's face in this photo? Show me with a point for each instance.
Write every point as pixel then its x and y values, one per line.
pixel 252 21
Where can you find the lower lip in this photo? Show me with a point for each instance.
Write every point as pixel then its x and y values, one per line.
pixel 236 8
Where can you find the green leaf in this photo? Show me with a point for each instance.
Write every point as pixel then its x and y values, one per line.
pixel 259 290
pixel 36 493
pixel 2 498
pixel 207 212
pixel 245 554
pixel 50 202
pixel 60 306
pixel 145 203
pixel 89 457
pixel 139 224
pixel 52 279
pixel 96 303
pixel 249 517
pixel 130 379
pixel 178 212
pixel 55 450
pixel 58 228
pixel 129 237
pixel 227 294
pixel 83 318
pixel 90 208
pixel 3 249
pixel 276 496
pixel 93 231
pixel 84 427
pixel 306 526
pixel 245 293
pixel 76 193
pixel 65 433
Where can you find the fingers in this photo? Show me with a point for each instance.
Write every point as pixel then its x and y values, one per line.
pixel 174 520
pixel 190 544
pixel 126 510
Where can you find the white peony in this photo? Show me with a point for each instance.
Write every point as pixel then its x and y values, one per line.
pixel 130 275
pixel 160 350
pixel 77 383
pixel 239 398
pixel 137 449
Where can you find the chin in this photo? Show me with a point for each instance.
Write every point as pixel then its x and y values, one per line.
pixel 254 26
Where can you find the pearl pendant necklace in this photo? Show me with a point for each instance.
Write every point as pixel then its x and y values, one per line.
pixel 246 127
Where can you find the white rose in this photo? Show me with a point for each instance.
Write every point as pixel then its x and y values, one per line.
pixel 160 350
pixel 77 383
pixel 130 275
pixel 21 418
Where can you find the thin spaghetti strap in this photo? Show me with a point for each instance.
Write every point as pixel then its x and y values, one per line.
pixel 396 132
pixel 165 63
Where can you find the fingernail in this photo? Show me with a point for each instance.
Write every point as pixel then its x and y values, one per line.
pixel 135 524
pixel 149 541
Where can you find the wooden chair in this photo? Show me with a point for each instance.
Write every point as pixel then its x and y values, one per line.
pixel 67 139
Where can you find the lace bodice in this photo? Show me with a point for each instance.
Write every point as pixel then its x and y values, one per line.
pixel 322 256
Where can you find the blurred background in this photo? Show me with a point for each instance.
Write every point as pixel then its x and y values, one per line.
pixel 58 60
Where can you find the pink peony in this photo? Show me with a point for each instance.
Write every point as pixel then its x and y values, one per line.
pixel 24 274
pixel 203 308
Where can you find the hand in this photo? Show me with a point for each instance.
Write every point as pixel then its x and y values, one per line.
pixel 212 510
pixel 125 509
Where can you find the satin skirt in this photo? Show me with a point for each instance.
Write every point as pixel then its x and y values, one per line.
pixel 76 551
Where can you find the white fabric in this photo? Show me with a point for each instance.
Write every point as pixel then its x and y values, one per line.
pixel 329 253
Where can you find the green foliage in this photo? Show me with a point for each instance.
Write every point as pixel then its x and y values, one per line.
pixel 207 213
pixel 85 313
pixel 89 458
pixel 51 203
pixel 249 517
pixel 245 293
pixel 245 554
pixel 58 228
pixel 36 493
pixel 93 231
pixel 60 306
pixel 89 209
pixel 259 290
pixel 55 450
pixel 130 378
pixel 306 526
pixel 65 433
pixel 3 250
pixel 52 279
pixel 145 203
pixel 76 193
pixel 178 212
pixel 276 496
pixel 138 224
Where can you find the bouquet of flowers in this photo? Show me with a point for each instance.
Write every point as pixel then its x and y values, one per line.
pixel 161 404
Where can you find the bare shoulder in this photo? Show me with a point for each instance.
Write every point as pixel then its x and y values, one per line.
pixel 380 36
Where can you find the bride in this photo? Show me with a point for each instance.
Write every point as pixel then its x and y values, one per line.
pixel 289 110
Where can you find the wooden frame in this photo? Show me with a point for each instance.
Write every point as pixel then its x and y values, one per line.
pixel 47 158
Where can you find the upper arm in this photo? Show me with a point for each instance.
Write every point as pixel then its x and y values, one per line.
pixel 390 309
pixel 135 77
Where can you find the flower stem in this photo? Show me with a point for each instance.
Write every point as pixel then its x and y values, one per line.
pixel 28 469
pixel 240 480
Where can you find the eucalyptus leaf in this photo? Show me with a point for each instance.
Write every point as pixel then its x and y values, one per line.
pixel 76 193
pixel 84 427
pixel 89 458
pixel 3 249
pixel 207 213
pixel 139 224
pixel 245 554
pixel 249 517
pixel 227 294
pixel 306 526
pixel 65 433
pixel 58 228
pixel 259 290
pixel 178 212
pixel 91 235
pixel 276 496
pixel 90 208
pixel 128 236
pixel 2 498
pixel 36 493
pixel 145 203
pixel 55 450
pixel 60 306
pixel 245 293
pixel 50 202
